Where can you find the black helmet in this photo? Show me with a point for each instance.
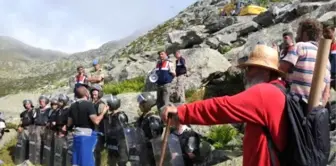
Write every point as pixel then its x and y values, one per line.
pixel 63 98
pixel 54 101
pixel 98 88
pixel 27 101
pixel 147 99
pixel 112 101
pixel 44 97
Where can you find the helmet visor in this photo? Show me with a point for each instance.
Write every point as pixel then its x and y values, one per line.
pixel 141 99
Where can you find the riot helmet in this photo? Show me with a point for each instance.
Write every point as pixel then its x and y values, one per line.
pixel 97 87
pixel 64 99
pixel 146 100
pixel 27 101
pixel 44 97
pixel 54 101
pixel 113 102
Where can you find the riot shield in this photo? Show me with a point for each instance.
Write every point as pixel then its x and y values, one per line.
pixel 116 144
pixel 21 148
pixel 60 151
pixel 69 145
pixel 173 155
pixel 136 145
pixel 48 148
pixel 33 139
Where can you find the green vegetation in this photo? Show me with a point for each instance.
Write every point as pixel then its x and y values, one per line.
pixel 9 86
pixel 195 95
pixel 11 125
pixel 223 135
pixel 7 153
pixel 224 49
pixel 132 85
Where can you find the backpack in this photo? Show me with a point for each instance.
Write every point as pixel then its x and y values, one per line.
pixel 308 141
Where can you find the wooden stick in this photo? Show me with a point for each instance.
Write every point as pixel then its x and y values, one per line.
pixel 319 73
pixel 165 140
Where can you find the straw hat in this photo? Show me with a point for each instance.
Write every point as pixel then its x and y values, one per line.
pixel 263 56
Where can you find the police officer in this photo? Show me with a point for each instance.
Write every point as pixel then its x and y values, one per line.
pixel 48 141
pixel 62 114
pixel 52 114
pixel 115 141
pixel 41 117
pixel 150 123
pixel 25 127
pixel 189 142
pixel 96 95
pixel 61 156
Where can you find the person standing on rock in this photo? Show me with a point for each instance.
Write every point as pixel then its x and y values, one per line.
pixel 97 75
pixel 299 63
pixel 287 44
pixel 166 73
pixel 261 104
pixel 181 71
pixel 80 79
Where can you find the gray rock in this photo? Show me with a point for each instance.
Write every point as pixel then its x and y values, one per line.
pixel 308 7
pixel 186 39
pixel 239 28
pixel 328 16
pixel 221 39
pixel 219 22
pixel 201 62
pixel 277 14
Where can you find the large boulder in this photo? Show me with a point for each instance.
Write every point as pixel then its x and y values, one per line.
pixel 276 14
pixel 201 62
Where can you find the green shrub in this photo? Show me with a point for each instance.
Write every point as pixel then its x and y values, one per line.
pixel 195 95
pixel 11 126
pixel 222 135
pixel 132 85
pixel 7 152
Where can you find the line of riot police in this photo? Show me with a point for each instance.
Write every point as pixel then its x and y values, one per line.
pixel 46 134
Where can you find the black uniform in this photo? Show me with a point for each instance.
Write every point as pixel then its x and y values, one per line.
pixel 152 126
pixel 41 118
pixel 61 118
pixel 190 143
pixel 22 146
pixel 101 139
pixel 115 140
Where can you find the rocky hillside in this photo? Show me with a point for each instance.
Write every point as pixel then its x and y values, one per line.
pixel 211 45
pixel 16 55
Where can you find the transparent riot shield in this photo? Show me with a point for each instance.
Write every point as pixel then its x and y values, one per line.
pixel 69 145
pixel 136 146
pixel 173 156
pixel 60 151
pixel 33 139
pixel 21 148
pixel 116 144
pixel 48 148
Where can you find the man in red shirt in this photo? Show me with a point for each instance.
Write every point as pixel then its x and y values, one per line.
pixel 261 104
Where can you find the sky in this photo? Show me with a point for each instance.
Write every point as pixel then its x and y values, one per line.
pixel 78 25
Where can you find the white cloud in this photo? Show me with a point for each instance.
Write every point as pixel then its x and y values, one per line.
pixel 79 25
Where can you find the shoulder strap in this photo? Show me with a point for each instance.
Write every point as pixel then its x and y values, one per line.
pixel 271 146
pixel 270 143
